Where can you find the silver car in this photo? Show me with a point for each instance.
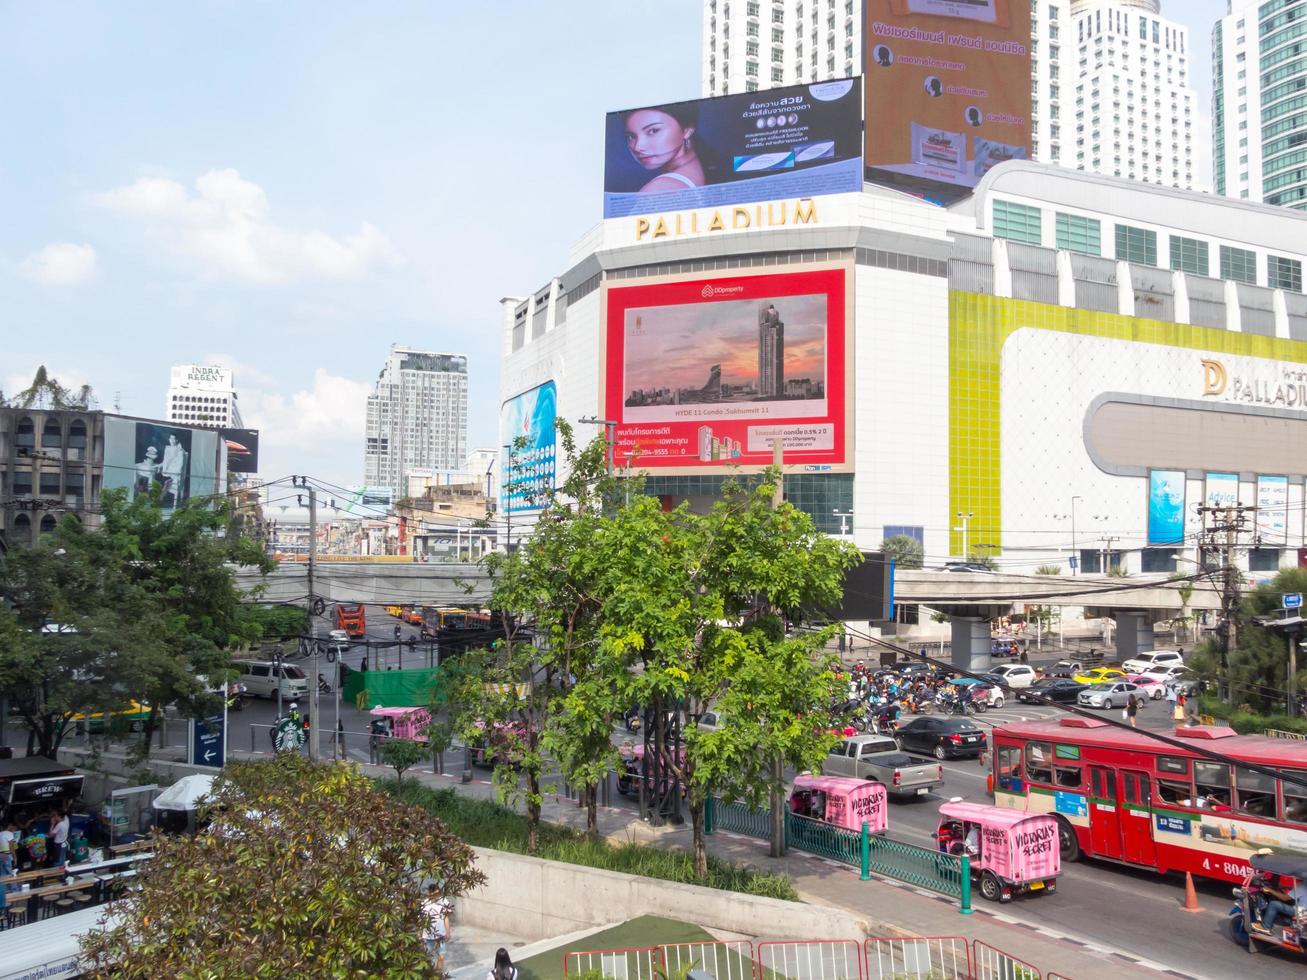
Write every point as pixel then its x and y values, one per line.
pixel 1114 694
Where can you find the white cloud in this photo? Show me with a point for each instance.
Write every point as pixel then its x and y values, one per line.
pixel 60 264
pixel 330 414
pixel 225 224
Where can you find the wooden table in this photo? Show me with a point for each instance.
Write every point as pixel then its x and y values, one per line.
pixel 137 845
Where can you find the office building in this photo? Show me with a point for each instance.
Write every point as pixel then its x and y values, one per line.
pixel 203 395
pixel 416 417
pixel 1109 78
pixel 1259 117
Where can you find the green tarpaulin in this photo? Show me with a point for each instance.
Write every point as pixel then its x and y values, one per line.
pixel 390 688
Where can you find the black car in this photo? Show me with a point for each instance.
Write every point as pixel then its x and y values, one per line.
pixel 1061 689
pixel 944 738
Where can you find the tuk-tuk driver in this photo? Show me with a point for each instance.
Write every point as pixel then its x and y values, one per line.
pixel 1285 897
pixel 971 843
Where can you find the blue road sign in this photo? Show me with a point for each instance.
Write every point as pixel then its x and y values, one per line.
pixel 1292 600
pixel 208 746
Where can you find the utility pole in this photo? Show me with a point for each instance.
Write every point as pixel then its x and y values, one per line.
pixel 314 717
pixel 964 518
pixel 1105 556
pixel 1223 528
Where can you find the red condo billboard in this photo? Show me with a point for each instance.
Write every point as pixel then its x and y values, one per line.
pixel 707 373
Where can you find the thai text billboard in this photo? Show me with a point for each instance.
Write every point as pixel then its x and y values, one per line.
pixel 527 463
pixel 948 89
pixel 707 373
pixel 793 142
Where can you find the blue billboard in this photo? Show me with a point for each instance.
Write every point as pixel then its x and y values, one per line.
pixel 1165 507
pixel 528 467
pixel 799 141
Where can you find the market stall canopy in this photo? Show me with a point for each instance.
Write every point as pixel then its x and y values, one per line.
pixel 185 794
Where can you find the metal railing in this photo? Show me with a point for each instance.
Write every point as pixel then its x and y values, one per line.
pixel 822 959
pixel 926 958
pixel 722 960
pixel 736 818
pixel 947 874
pixel 643 963
pixel 990 963
pixel 826 840
pixel 1280 733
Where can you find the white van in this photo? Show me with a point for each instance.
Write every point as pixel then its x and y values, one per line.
pixel 1152 660
pixel 262 677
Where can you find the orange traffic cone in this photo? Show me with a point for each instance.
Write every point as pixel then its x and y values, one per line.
pixel 1190 896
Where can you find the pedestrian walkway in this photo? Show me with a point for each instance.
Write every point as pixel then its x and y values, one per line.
pixel 892 909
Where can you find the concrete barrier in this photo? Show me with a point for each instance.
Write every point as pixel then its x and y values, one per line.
pixel 535 899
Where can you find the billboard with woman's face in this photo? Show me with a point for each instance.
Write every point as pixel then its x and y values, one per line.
pixel 793 142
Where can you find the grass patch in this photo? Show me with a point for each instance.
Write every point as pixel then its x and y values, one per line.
pixel 647 930
pixel 489 824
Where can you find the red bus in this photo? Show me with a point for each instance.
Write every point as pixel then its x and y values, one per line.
pixel 1119 795
pixel 349 617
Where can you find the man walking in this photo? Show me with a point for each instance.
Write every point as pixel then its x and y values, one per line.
pixel 59 839
pixel 1171 695
pixel 438 910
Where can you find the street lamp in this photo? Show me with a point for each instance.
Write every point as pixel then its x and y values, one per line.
pixel 964 518
pixel 844 516
pixel 610 427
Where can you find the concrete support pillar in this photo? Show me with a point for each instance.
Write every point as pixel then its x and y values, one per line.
pixel 971 643
pixel 1134 633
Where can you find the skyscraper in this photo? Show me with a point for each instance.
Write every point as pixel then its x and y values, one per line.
pixel 417 417
pixel 204 396
pixel 1109 78
pixel 1259 128
pixel 771 352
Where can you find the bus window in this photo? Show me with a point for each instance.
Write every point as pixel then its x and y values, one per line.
pixel 1009 767
pixel 1256 792
pixel 1295 797
pixel 1173 763
pixel 1039 759
pixel 1174 792
pixel 1069 777
pixel 1212 782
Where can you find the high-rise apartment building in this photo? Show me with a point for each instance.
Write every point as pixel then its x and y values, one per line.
pixel 1259 112
pixel 771 353
pixel 204 396
pixel 417 417
pixel 1108 78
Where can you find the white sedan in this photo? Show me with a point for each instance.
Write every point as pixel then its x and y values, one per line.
pixel 1016 676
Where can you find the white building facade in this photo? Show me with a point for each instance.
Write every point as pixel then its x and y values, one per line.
pixel 202 395
pixel 1259 112
pixel 1098 67
pixel 1073 363
pixel 416 416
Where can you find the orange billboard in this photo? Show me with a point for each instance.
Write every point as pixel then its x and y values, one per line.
pixel 948 90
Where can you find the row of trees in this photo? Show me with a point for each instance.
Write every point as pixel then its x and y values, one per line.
pixel 145 607
pixel 617 601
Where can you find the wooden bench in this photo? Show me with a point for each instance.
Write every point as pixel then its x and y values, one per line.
pixel 143 844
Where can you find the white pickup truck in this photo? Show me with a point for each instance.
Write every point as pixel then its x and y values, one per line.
pixel 878 757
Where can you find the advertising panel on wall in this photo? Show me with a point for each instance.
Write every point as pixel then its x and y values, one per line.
pixel 139 455
pixel 799 141
pixel 1166 507
pixel 242 450
pixel 948 90
pixel 703 374
pixel 1273 509
pixel 1222 490
pixel 528 469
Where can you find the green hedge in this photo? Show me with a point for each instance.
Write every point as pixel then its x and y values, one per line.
pixel 489 824
pixel 1248 722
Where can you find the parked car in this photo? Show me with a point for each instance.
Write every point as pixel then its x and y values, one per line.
pixel 878 757
pixel 1016 676
pixel 1100 675
pixel 968 566
pixel 262 678
pixel 1144 662
pixel 1173 672
pixel 1151 686
pixel 1063 690
pixel 1114 694
pixel 944 738
pixel 1003 646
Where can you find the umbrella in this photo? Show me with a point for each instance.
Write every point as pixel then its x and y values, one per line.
pixel 185 793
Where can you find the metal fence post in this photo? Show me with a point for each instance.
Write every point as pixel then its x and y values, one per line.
pixel 966 886
pixel 866 852
pixel 707 816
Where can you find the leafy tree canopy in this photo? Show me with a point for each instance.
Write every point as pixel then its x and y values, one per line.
pixel 904 550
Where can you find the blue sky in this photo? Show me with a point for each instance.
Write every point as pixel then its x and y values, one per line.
pixel 290 187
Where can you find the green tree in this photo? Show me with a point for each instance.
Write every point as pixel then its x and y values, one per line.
pixel 401 754
pixel 309 870
pixel 1049 570
pixel 695 602
pixel 904 550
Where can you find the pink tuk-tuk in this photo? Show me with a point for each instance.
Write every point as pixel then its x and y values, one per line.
pixel 407 723
pixel 1011 851
pixel 841 802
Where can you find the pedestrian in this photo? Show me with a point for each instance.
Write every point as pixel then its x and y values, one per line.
pixel 1171 695
pixel 8 847
pixel 503 968
pixel 58 839
pixel 438 910
pixel 1131 710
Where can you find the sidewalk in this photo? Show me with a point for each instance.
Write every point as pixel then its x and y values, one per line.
pixel 892 909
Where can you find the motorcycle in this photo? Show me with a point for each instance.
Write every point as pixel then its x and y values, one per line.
pixel 324 686
pixel 236 697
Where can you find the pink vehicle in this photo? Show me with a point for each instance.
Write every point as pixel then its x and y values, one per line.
pixel 1011 851
pixel 1150 685
pixel 407 723
pixel 841 801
